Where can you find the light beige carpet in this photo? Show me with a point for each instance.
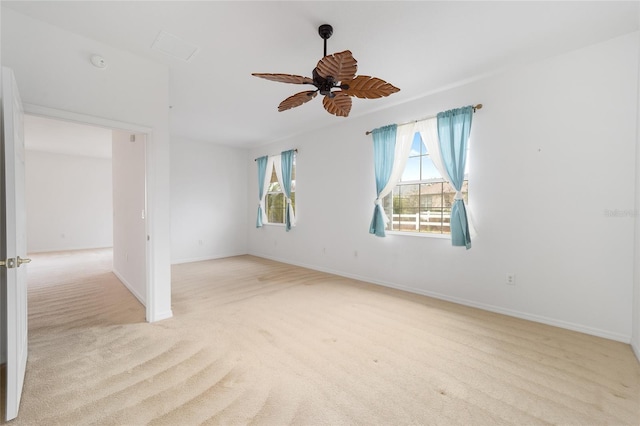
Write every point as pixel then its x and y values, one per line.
pixel 258 342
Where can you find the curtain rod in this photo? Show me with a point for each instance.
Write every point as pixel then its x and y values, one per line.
pixel 475 108
pixel 256 159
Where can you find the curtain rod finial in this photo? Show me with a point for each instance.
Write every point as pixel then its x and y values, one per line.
pixel 477 107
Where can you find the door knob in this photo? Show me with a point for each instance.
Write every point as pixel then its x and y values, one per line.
pixel 20 261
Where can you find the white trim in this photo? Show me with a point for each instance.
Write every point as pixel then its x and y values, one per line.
pixel 272 224
pixel 159 316
pixel 491 308
pixel 67 249
pixel 446 237
pixel 75 117
pixel 130 287
pixel 151 315
pixel 635 289
pixel 43 111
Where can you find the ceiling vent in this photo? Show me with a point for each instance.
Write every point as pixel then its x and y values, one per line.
pixel 174 46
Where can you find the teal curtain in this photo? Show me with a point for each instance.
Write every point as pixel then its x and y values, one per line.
pixel 286 158
pixel 454 127
pixel 262 169
pixel 384 146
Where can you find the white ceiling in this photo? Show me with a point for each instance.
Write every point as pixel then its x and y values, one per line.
pixel 419 47
pixel 62 137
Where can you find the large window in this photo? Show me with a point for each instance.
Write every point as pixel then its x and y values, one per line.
pixel 275 200
pixel 421 202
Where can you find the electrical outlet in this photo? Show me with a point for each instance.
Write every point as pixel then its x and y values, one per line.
pixel 510 278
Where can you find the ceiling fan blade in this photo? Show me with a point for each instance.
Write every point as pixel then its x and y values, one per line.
pixel 341 66
pixel 339 105
pixel 284 78
pixel 367 87
pixel 297 100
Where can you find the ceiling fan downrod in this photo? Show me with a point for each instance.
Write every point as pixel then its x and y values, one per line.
pixel 325 31
pixel 324 85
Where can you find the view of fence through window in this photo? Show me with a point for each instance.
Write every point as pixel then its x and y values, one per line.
pixel 422 200
pixel 275 201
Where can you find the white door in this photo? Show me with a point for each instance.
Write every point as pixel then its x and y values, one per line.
pixel 13 249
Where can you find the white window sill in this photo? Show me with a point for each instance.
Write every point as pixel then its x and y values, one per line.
pixel 420 235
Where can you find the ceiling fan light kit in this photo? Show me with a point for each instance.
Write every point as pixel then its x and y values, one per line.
pixel 334 78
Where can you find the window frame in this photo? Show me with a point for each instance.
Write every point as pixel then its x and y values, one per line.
pixel 282 209
pixel 390 198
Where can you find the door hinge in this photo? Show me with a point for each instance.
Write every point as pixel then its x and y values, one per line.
pixel 9 263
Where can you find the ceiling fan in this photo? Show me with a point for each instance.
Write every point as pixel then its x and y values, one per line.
pixel 335 78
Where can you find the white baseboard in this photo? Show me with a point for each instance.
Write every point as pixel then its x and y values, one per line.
pixel 130 288
pixel 484 306
pixel 636 349
pixel 63 249
pixel 150 317
pixel 209 257
pixel 161 316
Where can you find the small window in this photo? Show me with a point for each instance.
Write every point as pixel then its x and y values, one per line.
pixel 275 200
pixel 421 202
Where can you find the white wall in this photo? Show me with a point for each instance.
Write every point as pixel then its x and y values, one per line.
pixel 68 202
pixel 552 151
pixel 53 69
pixel 635 338
pixel 208 201
pixel 129 212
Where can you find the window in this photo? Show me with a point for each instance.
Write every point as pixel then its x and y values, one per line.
pixel 275 200
pixel 421 202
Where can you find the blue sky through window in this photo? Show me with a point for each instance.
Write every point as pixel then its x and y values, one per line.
pixel 419 165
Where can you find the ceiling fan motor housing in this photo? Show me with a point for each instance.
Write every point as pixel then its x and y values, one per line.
pixel 324 85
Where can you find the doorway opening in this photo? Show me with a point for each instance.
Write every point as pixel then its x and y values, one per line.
pixel 86 189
